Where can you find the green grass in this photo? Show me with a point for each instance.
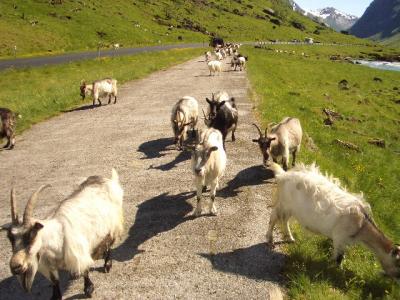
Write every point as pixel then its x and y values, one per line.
pixel 37 27
pixel 293 85
pixel 40 93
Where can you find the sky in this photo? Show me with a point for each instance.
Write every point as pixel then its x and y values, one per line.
pixel 354 7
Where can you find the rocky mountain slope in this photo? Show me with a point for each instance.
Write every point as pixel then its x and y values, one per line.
pixel 381 21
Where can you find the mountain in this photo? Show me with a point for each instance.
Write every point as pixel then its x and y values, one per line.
pixel 334 18
pixel 381 21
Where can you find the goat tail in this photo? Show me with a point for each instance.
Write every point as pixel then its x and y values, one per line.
pixel 114 175
pixel 276 168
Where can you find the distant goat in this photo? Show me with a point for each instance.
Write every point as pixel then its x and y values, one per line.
pixel 184 114
pixel 100 88
pixel 214 66
pixel 82 229
pixel 223 115
pixel 282 139
pixel 8 121
pixel 239 61
pixel 321 205
pixel 208 165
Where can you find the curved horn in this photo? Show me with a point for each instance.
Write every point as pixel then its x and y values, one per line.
pixel 14 214
pixel 31 204
pixel 266 131
pixel 259 130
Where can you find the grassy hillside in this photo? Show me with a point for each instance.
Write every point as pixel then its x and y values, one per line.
pixel 289 84
pixel 37 26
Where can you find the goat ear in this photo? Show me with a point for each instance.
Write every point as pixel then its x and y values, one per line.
pixel 34 230
pixel 272 139
pixel 214 148
pixel 255 141
pixel 221 103
pixel 208 100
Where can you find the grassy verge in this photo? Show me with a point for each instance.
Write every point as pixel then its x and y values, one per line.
pixel 40 93
pixel 301 86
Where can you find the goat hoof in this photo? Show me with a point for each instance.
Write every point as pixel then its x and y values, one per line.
pixel 107 267
pixel 89 290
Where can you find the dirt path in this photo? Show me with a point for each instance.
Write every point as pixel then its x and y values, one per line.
pixel 165 254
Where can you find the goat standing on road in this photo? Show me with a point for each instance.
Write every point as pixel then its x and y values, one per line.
pixel 208 165
pixel 185 114
pixel 100 88
pixel 82 229
pixel 223 116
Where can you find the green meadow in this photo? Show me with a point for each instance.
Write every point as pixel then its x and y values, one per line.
pixel 290 84
pixel 40 93
pixel 40 28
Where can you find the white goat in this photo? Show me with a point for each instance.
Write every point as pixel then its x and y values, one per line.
pixel 282 139
pixel 214 66
pixel 321 205
pixel 82 229
pixel 185 114
pixel 100 88
pixel 208 165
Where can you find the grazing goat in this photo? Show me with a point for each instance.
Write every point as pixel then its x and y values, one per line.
pixel 321 205
pixel 100 88
pixel 208 165
pixel 223 115
pixel 214 66
pixel 282 139
pixel 8 121
pixel 185 113
pixel 82 229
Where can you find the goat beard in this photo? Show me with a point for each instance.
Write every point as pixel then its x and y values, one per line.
pixel 26 279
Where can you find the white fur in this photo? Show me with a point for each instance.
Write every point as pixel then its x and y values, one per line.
pixel 185 111
pixel 214 66
pixel 320 204
pixel 288 134
pixel 104 87
pixel 209 171
pixel 79 225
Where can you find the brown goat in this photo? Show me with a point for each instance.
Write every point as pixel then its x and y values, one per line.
pixel 7 126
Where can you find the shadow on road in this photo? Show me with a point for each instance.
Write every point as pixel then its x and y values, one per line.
pixel 153 149
pixel 10 289
pixel 182 156
pixel 254 262
pixel 159 214
pixel 254 175
pixel 83 107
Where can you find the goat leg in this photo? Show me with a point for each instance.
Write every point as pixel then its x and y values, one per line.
pixel 88 285
pixel 107 260
pixel 115 99
pixel 213 189
pixel 56 286
pixel 109 99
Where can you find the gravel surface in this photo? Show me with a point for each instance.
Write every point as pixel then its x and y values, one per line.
pixel 164 253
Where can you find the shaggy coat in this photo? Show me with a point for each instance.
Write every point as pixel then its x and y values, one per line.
pixel 321 205
pixel 184 115
pixel 82 229
pixel 208 165
pixel 214 66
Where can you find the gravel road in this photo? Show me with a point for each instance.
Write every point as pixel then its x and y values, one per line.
pixel 164 253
